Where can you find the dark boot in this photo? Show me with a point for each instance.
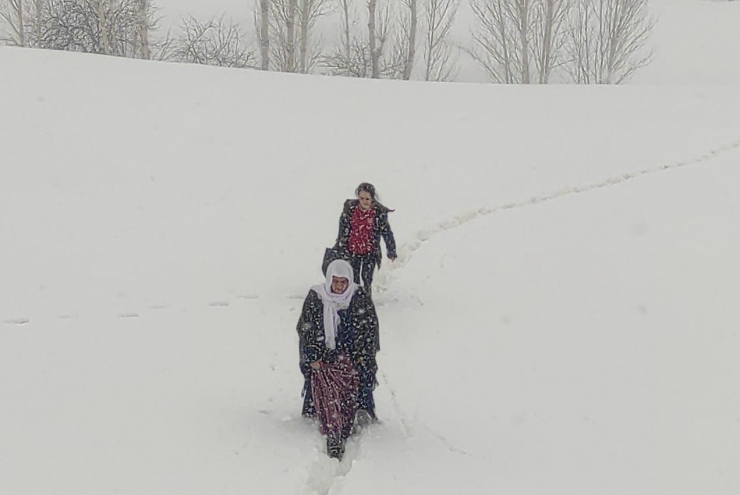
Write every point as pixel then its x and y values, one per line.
pixel 334 449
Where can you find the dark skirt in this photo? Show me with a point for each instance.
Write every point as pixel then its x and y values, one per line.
pixel 365 399
pixel 334 390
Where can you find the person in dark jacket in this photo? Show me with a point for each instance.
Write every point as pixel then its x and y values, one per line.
pixel 337 331
pixel 361 225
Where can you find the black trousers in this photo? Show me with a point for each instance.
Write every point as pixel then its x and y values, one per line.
pixel 364 267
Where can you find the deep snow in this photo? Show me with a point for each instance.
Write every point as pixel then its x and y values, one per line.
pixel 562 317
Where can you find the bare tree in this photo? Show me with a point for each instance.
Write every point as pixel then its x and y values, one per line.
pixel 295 48
pixel 394 55
pixel 38 10
pixel 345 20
pixel 112 27
pixel 410 38
pixel 391 46
pixel 372 8
pixel 24 20
pixel 438 17
pixel 309 46
pixel 104 20
pixel 385 60
pixel 283 17
pixel 14 13
pixel 549 36
pixel 144 24
pixel 215 42
pixel 95 26
pixel 520 41
pixel 352 57
pixel 522 15
pixel 357 56
pixel 262 23
pixel 502 38
pixel 608 40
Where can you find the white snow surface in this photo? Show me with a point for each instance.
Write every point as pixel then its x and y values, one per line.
pixel 562 317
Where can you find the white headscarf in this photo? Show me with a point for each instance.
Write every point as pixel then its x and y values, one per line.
pixel 335 302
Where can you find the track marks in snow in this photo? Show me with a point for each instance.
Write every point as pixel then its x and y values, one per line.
pixel 326 475
pixel 408 249
pixel 248 296
pixel 219 304
pixel 449 445
pixel 406 252
pixel 134 314
pixel 406 427
pixel 17 321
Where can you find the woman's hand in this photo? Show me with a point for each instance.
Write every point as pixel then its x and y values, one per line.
pixel 316 364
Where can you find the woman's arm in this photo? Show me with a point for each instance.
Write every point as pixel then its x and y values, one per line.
pixel 387 233
pixel 310 329
pixel 344 225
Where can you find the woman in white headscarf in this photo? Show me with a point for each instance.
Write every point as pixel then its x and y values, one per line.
pixel 338 331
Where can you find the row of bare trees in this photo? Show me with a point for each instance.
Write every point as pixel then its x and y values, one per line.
pixel 582 41
pixel 110 27
pixel 121 28
pixel 376 38
pixel 514 41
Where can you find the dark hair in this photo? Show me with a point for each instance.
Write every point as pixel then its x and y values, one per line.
pixel 368 188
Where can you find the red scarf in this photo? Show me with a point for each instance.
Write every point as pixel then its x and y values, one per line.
pixel 361 239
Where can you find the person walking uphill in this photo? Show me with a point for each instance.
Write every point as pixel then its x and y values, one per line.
pixel 338 332
pixel 361 225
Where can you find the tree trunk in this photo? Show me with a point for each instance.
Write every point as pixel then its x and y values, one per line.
pixel 144 29
pixel 505 51
pixel 524 7
pixel 265 33
pixel 16 19
pixel 104 30
pixel 21 24
pixel 39 4
pixel 547 43
pixel 303 36
pixel 290 41
pixel 409 65
pixel 374 55
pixel 346 34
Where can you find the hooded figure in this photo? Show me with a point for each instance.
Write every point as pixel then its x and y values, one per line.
pixel 338 333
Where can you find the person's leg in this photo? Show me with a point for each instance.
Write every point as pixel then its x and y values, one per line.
pixel 365 399
pixel 368 270
pixel 355 262
pixel 309 410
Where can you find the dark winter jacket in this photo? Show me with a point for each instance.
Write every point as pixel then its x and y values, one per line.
pixel 357 335
pixel 382 228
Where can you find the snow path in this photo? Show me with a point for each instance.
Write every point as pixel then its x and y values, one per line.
pixel 406 252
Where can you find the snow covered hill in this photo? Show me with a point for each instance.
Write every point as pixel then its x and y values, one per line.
pixel 562 317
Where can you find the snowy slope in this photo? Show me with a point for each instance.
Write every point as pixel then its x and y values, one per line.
pixel 561 317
